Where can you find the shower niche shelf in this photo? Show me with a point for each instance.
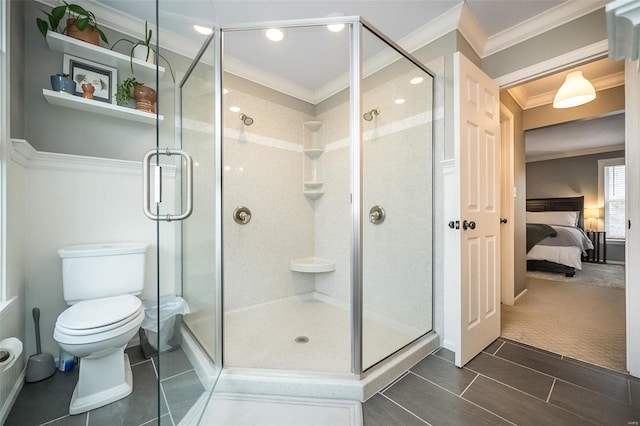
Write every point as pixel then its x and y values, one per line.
pixel 313 265
pixel 313 142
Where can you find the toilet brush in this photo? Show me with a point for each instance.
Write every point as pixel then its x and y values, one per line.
pixel 41 365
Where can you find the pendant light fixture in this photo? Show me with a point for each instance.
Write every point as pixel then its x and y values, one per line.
pixel 576 90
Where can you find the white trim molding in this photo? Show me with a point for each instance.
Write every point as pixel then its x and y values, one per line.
pixel 590 151
pixel 632 252
pixel 552 18
pixel 579 56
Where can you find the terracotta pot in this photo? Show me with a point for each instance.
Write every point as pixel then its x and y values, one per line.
pixel 90 35
pixel 145 98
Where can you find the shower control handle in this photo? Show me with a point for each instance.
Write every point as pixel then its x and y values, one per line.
pixel 377 215
pixel 468 225
pixel 242 215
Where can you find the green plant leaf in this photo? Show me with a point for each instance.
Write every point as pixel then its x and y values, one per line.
pixel 78 10
pixel 57 13
pixel 82 23
pixel 102 35
pixel 43 26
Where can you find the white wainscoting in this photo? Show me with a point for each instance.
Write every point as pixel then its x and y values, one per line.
pixel 71 199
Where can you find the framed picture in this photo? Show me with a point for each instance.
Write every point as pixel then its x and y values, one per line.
pixel 103 78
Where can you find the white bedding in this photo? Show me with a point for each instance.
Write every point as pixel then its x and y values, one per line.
pixel 570 256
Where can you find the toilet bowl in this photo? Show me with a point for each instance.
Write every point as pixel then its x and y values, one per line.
pixel 100 282
pixel 97 331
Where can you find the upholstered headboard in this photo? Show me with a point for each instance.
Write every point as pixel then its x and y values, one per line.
pixel 566 204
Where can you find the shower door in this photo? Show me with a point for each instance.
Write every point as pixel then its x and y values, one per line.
pixel 397 203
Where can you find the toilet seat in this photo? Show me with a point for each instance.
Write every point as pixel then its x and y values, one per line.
pixel 98 319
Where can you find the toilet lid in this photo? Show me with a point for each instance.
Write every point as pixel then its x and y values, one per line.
pixel 97 313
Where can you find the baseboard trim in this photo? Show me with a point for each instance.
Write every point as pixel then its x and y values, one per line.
pixel 13 395
pixel 515 299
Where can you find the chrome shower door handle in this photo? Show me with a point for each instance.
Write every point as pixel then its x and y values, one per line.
pixel 146 187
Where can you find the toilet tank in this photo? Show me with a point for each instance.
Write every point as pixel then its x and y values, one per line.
pixel 91 271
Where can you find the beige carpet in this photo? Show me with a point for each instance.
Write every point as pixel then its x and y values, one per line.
pixel 585 322
pixel 604 275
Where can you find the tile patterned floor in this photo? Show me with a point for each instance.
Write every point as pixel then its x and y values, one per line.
pixel 507 384
pixel 47 402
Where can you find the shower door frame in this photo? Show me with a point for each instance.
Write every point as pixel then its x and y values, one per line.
pixel 356 25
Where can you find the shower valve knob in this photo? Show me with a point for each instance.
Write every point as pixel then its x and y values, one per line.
pixel 242 215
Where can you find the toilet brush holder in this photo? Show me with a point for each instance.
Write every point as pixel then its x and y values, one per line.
pixel 41 365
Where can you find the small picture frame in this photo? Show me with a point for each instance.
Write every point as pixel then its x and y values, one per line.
pixel 103 78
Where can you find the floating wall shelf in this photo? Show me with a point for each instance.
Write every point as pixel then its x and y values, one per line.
pixel 97 107
pixel 144 71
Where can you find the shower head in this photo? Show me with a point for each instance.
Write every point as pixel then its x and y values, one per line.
pixel 370 114
pixel 246 120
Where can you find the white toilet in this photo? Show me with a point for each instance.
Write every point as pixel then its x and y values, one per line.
pixel 100 281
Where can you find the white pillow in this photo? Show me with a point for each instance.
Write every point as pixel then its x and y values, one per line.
pixel 554 218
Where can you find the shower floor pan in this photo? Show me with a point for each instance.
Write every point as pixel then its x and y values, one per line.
pixel 301 346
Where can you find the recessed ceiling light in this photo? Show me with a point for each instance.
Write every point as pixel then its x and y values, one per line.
pixel 234 109
pixel 202 30
pixel 275 34
pixel 416 80
pixel 335 28
pixel 399 101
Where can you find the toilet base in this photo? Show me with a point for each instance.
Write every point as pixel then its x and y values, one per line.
pixel 95 389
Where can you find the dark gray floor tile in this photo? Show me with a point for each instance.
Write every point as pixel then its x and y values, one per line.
pixel 43 401
pixel 533 348
pixel 77 420
pixel 596 367
pixel 517 407
pixel 438 406
pixel 379 411
pixel 603 383
pixel 182 391
pixel 593 405
pixel 164 421
pixel 492 348
pixel 139 407
pixel 634 389
pixel 135 355
pixel 446 354
pixel 514 375
pixel 443 373
pixel 172 363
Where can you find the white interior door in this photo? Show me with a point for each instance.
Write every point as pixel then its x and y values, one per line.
pixel 477 156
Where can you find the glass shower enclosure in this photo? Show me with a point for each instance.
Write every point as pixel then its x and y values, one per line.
pixel 309 251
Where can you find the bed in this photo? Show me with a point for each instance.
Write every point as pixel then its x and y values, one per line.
pixel 556 241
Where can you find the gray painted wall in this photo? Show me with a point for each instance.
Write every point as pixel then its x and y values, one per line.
pixel 519 177
pixel 16 70
pixel 570 177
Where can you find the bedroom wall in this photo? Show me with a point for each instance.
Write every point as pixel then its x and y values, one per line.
pixel 519 175
pixel 570 177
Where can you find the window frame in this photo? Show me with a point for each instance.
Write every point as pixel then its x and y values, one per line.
pixel 608 162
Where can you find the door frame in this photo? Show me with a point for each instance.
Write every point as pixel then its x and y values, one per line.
pixel 507 236
pixel 589 53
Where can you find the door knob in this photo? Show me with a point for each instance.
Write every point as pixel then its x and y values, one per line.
pixel 503 220
pixel 468 225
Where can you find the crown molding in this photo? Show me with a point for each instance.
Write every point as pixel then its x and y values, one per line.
pixel 553 18
pixel 576 153
pixel 432 30
pixel 273 81
pixel 520 95
pixel 471 30
pixel 573 58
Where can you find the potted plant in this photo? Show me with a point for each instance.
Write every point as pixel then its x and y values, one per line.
pixel 81 23
pixel 142 49
pixel 63 83
pixel 145 96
